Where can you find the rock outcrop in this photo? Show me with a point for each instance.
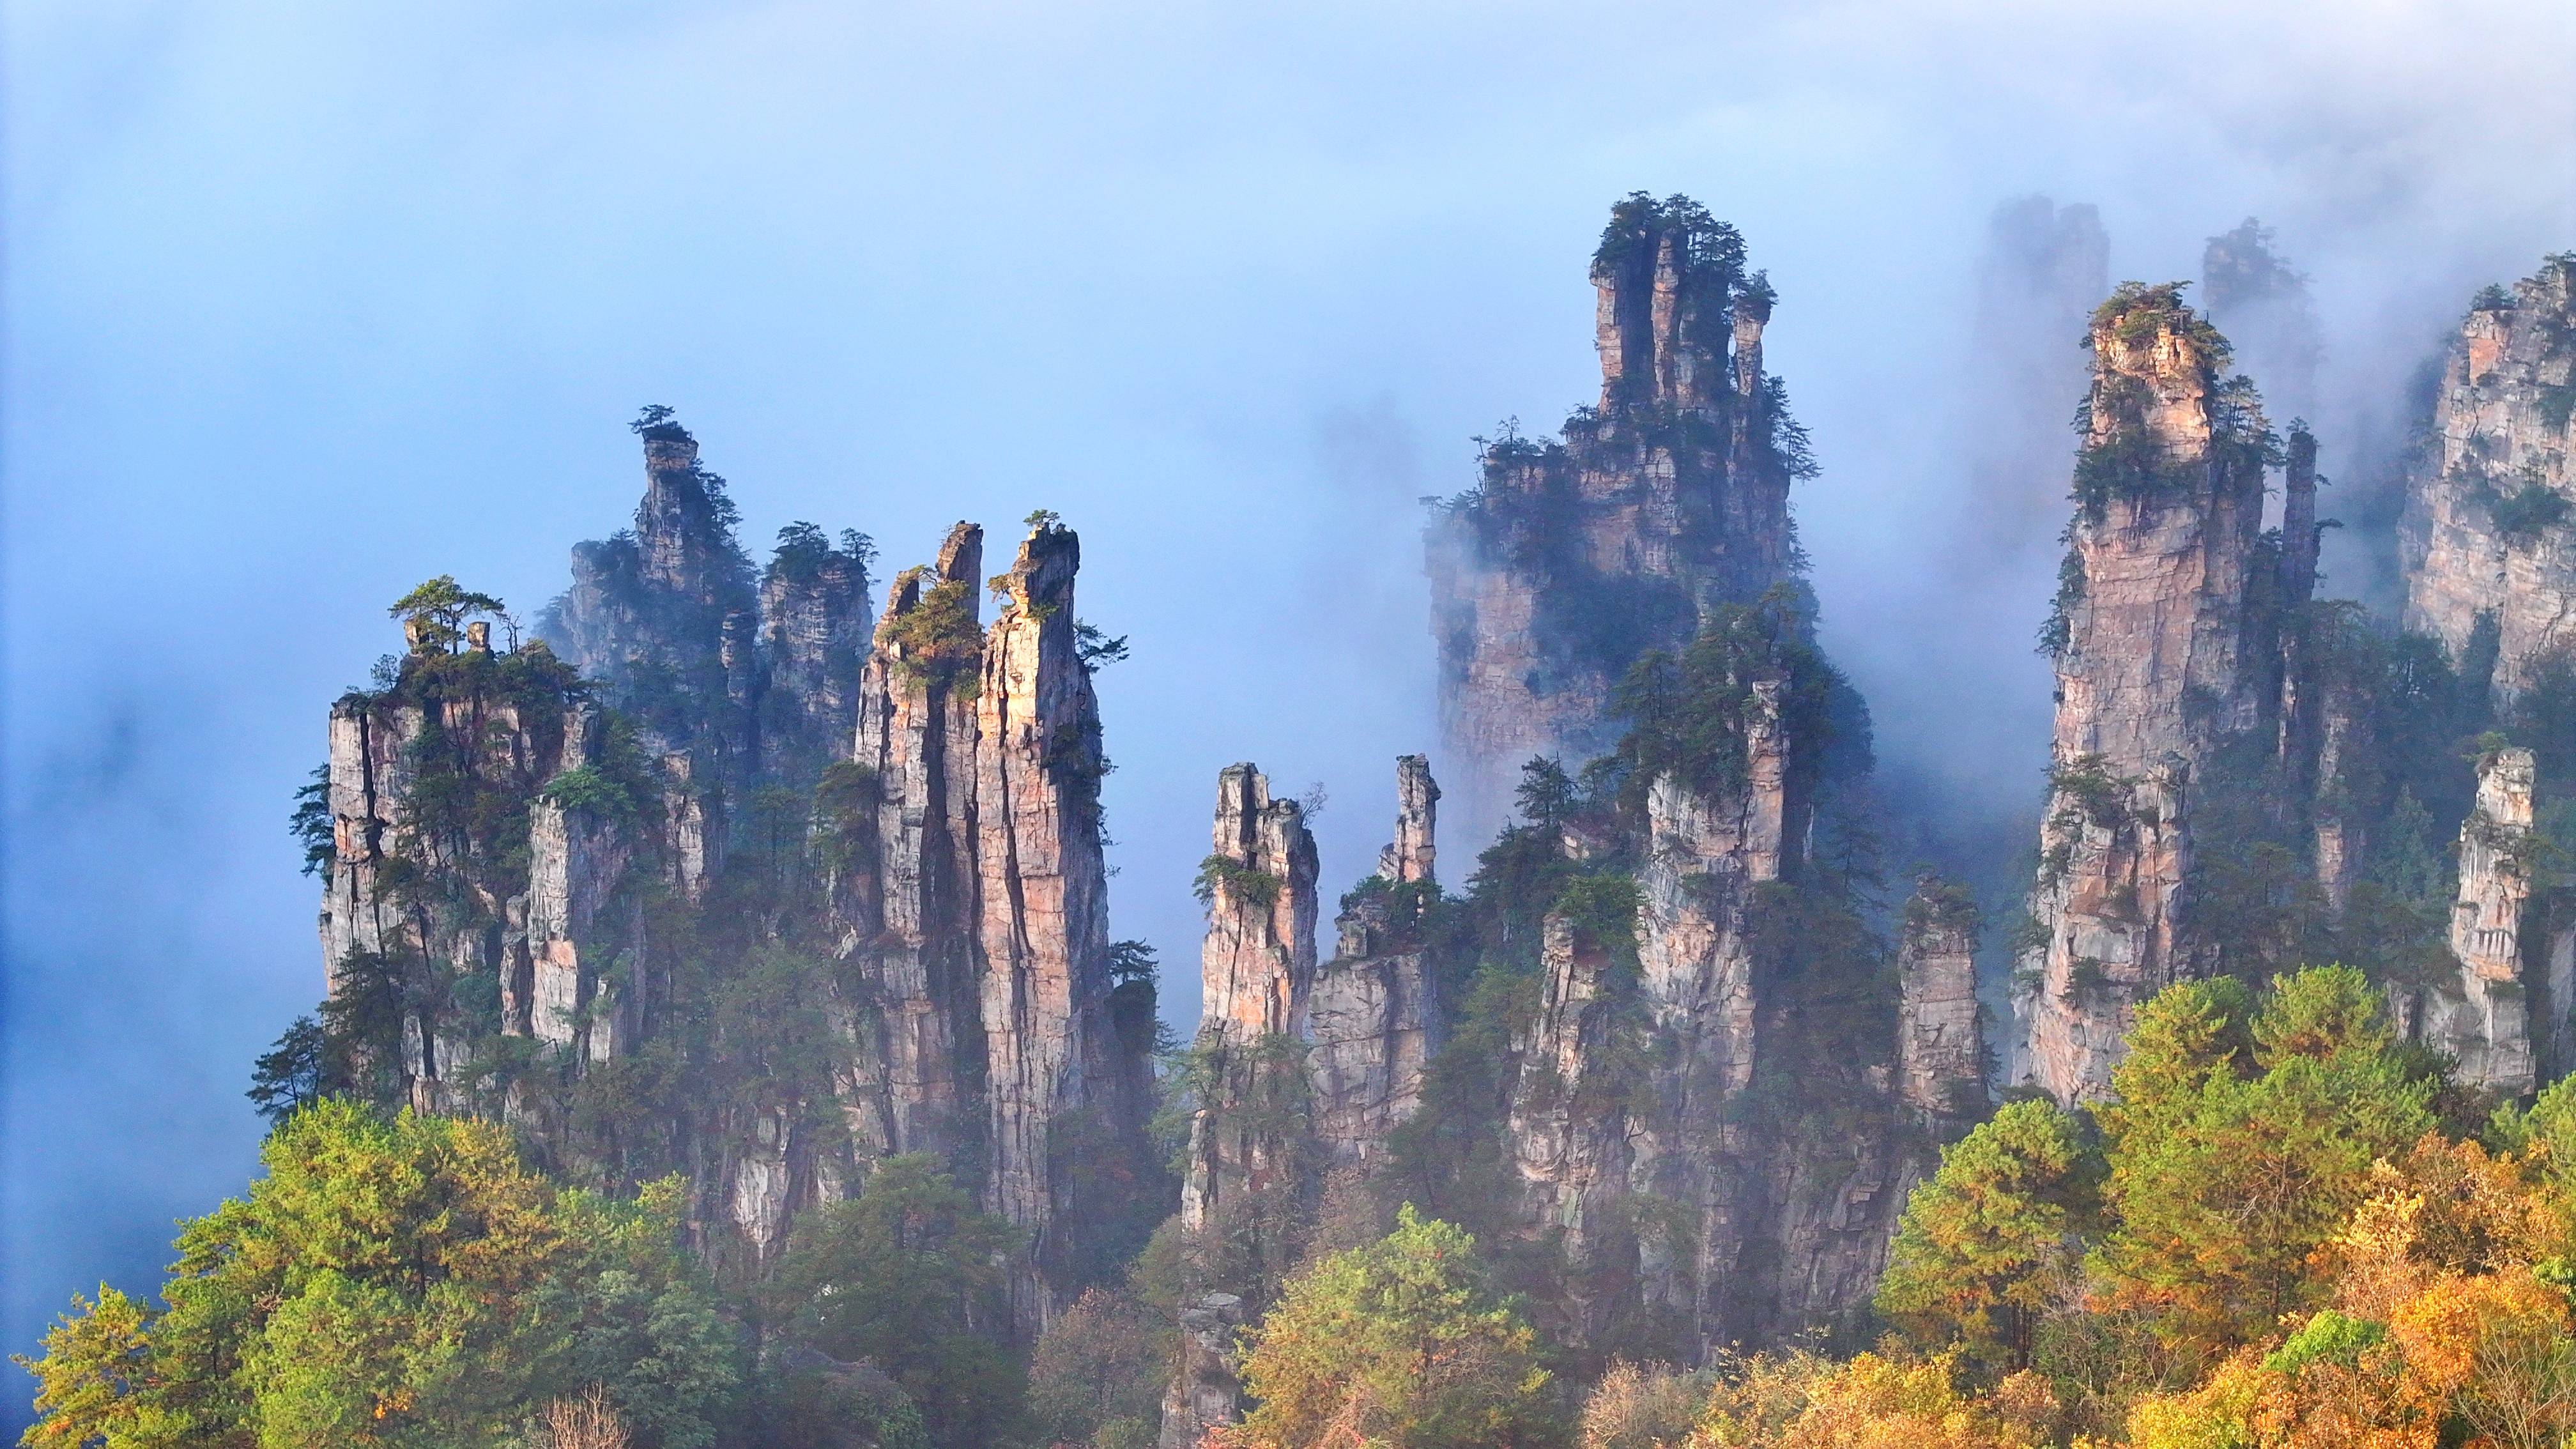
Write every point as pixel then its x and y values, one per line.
pixel 731 818
pixel 2157 665
pixel 1043 898
pixel 1940 1051
pixel 1257 967
pixel 2487 533
pixel 1669 498
pixel 2484 1018
pixel 906 889
pixel 1206 1394
pixel 1374 1017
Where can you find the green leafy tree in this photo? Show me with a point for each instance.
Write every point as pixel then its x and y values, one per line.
pixel 907 1276
pixel 434 613
pixel 1986 1242
pixel 293 1074
pixel 2241 1141
pixel 1402 1342
pixel 397 1282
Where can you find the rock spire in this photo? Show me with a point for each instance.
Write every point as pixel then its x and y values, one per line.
pixel 2155 667
pixel 1669 498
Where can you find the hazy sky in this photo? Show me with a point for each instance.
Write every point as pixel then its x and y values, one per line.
pixel 304 303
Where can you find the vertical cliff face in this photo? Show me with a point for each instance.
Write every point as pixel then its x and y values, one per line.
pixel 1569 1144
pixel 667 615
pixel 813 633
pixel 2486 533
pixel 2157 665
pixel 1940 1053
pixel 907 899
pixel 2484 1019
pixel 1049 1049
pixel 1374 1018
pixel 1668 498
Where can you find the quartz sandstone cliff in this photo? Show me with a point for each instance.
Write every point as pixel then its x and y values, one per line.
pixel 912 808
pixel 2155 668
pixel 1374 1016
pixel 2483 1018
pixel 2485 535
pixel 1668 498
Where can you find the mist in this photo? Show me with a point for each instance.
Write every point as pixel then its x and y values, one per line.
pixel 306 303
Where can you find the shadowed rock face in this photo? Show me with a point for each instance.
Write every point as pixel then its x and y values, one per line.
pixel 1669 498
pixel 1940 1055
pixel 2156 667
pixel 1374 1016
pixel 2487 530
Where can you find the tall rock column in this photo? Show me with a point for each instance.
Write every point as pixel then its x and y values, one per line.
pixel 1246 1181
pixel 1568 1144
pixel 2484 1020
pixel 1043 895
pixel 909 910
pixel 1940 1060
pixel 1668 499
pixel 1706 855
pixel 2488 529
pixel 1373 1018
pixel 2153 671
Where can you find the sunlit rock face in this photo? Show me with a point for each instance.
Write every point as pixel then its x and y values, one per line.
pixel 2156 666
pixel 700 784
pixel 2487 533
pixel 1374 1017
pixel 2483 1018
pixel 1050 1051
pixel 1667 498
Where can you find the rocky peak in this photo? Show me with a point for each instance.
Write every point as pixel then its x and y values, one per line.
pixel 1409 857
pixel 1665 280
pixel 1258 960
pixel 2300 530
pixel 2262 302
pixel 1575 556
pixel 2488 530
pixel 1373 1017
pixel 2157 664
pixel 684 525
pixel 1044 898
pixel 814 628
pixel 2484 1018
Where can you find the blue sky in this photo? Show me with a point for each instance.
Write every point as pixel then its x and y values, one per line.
pixel 305 302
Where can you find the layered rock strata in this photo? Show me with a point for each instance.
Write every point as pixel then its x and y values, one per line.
pixel 2483 1019
pixel 1374 1016
pixel 907 815
pixel 2487 532
pixel 1940 1050
pixel 1043 895
pixel 2156 666
pixel 1668 498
